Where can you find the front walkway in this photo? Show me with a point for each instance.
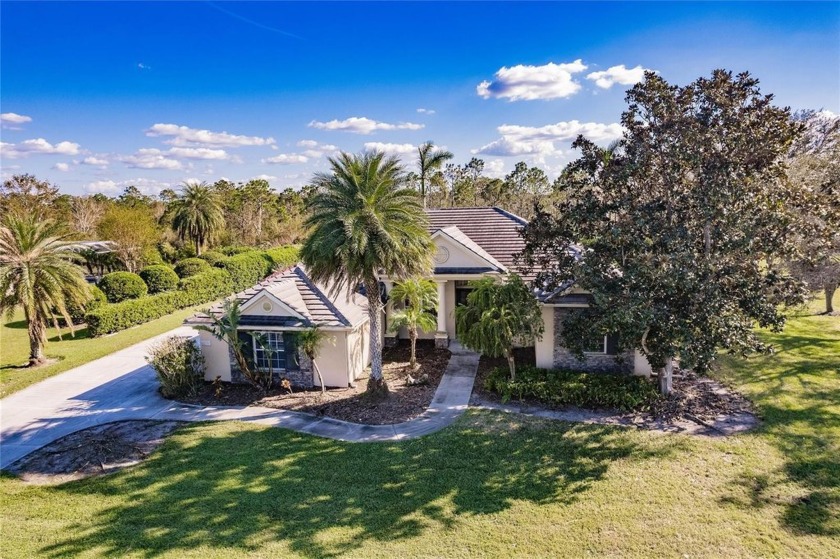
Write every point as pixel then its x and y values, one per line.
pixel 122 386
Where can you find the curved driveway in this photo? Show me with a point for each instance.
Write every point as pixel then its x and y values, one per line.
pixel 122 386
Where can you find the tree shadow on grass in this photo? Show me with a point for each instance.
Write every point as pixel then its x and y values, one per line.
pixel 16 325
pixel 245 487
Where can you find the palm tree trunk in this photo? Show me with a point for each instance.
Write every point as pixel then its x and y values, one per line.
pixel 376 384
pixel 318 372
pixel 36 342
pixel 511 363
pixel 413 361
pixel 197 247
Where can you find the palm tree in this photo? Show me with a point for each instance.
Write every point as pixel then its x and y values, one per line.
pixel 419 297
pixel 198 215
pixel 364 222
pixel 310 342
pixel 429 160
pixel 37 273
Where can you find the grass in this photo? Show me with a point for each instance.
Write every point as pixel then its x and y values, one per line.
pixel 490 485
pixel 67 351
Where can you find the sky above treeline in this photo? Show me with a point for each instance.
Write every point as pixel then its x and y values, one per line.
pixel 96 96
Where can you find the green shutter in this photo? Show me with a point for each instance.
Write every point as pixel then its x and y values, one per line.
pixel 612 344
pixel 290 344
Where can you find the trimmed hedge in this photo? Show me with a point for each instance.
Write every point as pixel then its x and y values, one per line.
pixel 121 286
pixel 213 258
pixel 202 288
pixel 561 387
pixel 283 257
pixel 233 251
pixel 247 268
pixel 190 267
pixel 159 278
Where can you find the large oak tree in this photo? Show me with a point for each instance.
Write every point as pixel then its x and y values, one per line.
pixel 672 229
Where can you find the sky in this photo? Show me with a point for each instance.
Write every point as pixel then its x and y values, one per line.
pixel 96 96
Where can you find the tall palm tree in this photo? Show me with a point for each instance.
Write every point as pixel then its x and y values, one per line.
pixel 420 300
pixel 429 160
pixel 363 223
pixel 198 214
pixel 37 273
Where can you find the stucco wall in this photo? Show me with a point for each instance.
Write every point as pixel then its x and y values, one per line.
pixel 544 348
pixel 216 360
pixel 562 358
pixel 332 360
pixel 358 356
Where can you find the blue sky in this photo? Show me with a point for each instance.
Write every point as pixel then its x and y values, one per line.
pixel 99 95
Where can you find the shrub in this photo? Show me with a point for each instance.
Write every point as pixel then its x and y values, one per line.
pixel 190 267
pixel 574 388
pixel 213 258
pixel 77 312
pixel 151 257
pixel 233 251
pixel 159 278
pixel 179 366
pixel 198 289
pixel 282 257
pixel 120 286
pixel 247 268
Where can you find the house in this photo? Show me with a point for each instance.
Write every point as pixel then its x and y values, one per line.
pixel 470 243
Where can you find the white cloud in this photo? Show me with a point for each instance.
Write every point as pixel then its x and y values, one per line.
pixel 423 111
pixel 391 149
pixel 63 167
pixel 363 125
pixel 527 83
pixel 264 177
pixel 37 146
pixel 540 141
pixel 617 74
pixel 95 161
pixel 13 120
pixel 186 136
pixel 198 153
pixel 142 66
pixel 102 186
pixel 151 158
pixel 495 168
pixel 315 149
pixel 286 159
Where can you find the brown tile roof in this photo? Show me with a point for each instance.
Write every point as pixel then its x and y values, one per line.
pixel 493 229
pixel 311 300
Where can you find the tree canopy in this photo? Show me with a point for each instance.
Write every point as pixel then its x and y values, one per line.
pixel 673 229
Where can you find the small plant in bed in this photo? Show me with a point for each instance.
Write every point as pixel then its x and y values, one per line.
pixel 559 388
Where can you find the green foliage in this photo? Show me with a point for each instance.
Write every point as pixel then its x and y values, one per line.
pixel 429 161
pixel 37 273
pixel 309 341
pixel 179 366
pixel 159 278
pixel 214 258
pixel 120 286
pixel 419 300
pixel 247 269
pixel 190 267
pixel 672 227
pixel 201 288
pixel 497 315
pixel 284 256
pixel 574 388
pixel 197 215
pixel 234 250
pixel 151 256
pixel 132 229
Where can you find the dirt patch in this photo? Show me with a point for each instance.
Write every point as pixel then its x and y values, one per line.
pixel 94 451
pixel 700 401
pixel 404 401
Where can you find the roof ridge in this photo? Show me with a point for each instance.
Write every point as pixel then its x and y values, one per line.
pixel 511 216
pixel 320 294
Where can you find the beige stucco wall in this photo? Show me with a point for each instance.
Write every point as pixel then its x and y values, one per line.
pixel 545 346
pixel 641 365
pixel 216 357
pixel 358 355
pixel 256 308
pixel 332 360
pixel 459 256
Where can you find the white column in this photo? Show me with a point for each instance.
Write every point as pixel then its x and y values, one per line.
pixel 441 311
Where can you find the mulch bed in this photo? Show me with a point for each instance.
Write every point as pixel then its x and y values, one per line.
pixel 694 398
pixel 404 402
pixel 94 451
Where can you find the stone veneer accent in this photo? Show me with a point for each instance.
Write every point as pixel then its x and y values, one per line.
pixel 303 377
pixel 603 363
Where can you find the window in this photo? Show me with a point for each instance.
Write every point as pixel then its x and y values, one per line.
pixel 462 290
pixel 598 345
pixel 270 350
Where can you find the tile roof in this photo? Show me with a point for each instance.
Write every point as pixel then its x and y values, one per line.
pixel 493 229
pixel 311 300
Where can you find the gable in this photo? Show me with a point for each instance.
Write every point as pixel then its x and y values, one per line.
pixel 266 304
pixel 456 250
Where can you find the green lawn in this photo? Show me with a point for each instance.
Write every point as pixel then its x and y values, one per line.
pixel 69 351
pixel 491 485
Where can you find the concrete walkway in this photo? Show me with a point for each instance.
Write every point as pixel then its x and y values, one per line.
pixel 122 386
